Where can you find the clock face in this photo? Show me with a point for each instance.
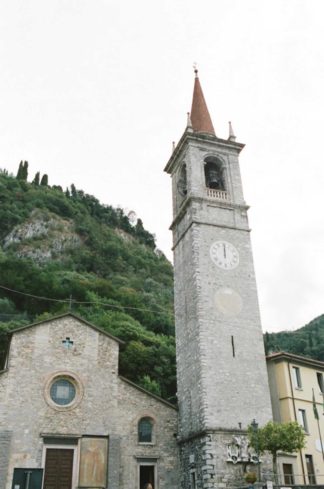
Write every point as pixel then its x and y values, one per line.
pixel 224 255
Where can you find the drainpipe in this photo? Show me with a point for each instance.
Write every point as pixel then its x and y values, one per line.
pixel 295 414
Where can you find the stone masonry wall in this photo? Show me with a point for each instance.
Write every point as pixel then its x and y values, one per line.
pixel 5 439
pixel 135 404
pixel 207 457
pixel 107 406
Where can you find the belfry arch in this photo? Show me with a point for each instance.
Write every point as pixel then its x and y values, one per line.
pixel 214 173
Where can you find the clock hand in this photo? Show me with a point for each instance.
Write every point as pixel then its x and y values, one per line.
pixel 224 249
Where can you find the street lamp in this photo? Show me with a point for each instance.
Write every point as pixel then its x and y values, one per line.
pixel 255 427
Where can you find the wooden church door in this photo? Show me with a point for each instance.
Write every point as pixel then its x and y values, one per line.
pixel 58 468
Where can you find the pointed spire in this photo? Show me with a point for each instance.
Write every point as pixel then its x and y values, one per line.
pixel 231 135
pixel 200 118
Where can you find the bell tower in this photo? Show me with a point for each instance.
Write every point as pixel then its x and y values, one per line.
pixel 221 370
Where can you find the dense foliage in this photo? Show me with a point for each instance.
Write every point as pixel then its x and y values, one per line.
pixel 308 340
pixel 115 277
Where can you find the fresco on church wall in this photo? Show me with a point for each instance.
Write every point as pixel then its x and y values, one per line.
pixel 93 462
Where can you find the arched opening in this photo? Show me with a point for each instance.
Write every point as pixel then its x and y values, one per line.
pixel 182 181
pixel 214 174
pixel 145 430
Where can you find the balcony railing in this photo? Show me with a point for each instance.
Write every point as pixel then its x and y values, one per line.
pixel 217 194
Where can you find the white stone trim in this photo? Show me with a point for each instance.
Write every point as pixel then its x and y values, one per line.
pixel 76 460
pixel 151 461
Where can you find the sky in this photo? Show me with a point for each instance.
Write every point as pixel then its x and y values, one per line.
pixel 93 92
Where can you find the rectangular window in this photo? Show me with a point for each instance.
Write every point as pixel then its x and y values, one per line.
pixel 320 381
pixel 288 474
pixel 310 469
pixel 297 377
pixel 302 419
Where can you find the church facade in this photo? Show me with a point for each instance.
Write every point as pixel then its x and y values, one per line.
pixel 68 419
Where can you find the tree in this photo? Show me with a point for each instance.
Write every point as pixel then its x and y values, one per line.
pixel 143 235
pixel 275 437
pixel 36 179
pixel 25 171
pixel 20 170
pixel 22 173
pixel 73 191
pixel 44 180
pixel 150 385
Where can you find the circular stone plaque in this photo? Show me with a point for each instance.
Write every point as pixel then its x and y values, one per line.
pixel 228 302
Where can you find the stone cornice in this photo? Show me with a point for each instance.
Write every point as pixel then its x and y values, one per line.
pixel 198 138
pixel 211 202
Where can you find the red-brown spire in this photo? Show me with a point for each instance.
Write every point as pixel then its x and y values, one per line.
pixel 200 118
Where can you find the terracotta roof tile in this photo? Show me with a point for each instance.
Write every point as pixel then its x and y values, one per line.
pixel 200 118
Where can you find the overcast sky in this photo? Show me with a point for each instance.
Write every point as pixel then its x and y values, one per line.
pixel 93 92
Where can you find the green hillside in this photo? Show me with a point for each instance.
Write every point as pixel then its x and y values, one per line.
pixel 307 341
pixel 75 253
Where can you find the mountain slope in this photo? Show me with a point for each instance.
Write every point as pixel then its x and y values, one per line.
pixel 308 340
pixel 74 252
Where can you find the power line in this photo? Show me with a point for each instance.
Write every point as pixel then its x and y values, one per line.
pixel 33 296
pixel 71 301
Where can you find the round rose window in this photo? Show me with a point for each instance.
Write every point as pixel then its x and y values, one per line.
pixel 62 392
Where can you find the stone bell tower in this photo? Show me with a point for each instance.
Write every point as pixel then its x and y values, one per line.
pixel 221 370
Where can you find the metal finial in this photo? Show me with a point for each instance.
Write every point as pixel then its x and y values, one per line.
pixel 195 67
pixel 189 123
pixel 231 136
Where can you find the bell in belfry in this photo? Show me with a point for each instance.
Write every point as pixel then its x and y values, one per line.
pixel 213 176
pixel 214 180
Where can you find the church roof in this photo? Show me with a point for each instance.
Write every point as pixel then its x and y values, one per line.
pixel 68 314
pixel 199 116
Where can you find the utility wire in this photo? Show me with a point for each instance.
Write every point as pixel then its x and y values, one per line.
pixel 34 296
pixel 72 301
